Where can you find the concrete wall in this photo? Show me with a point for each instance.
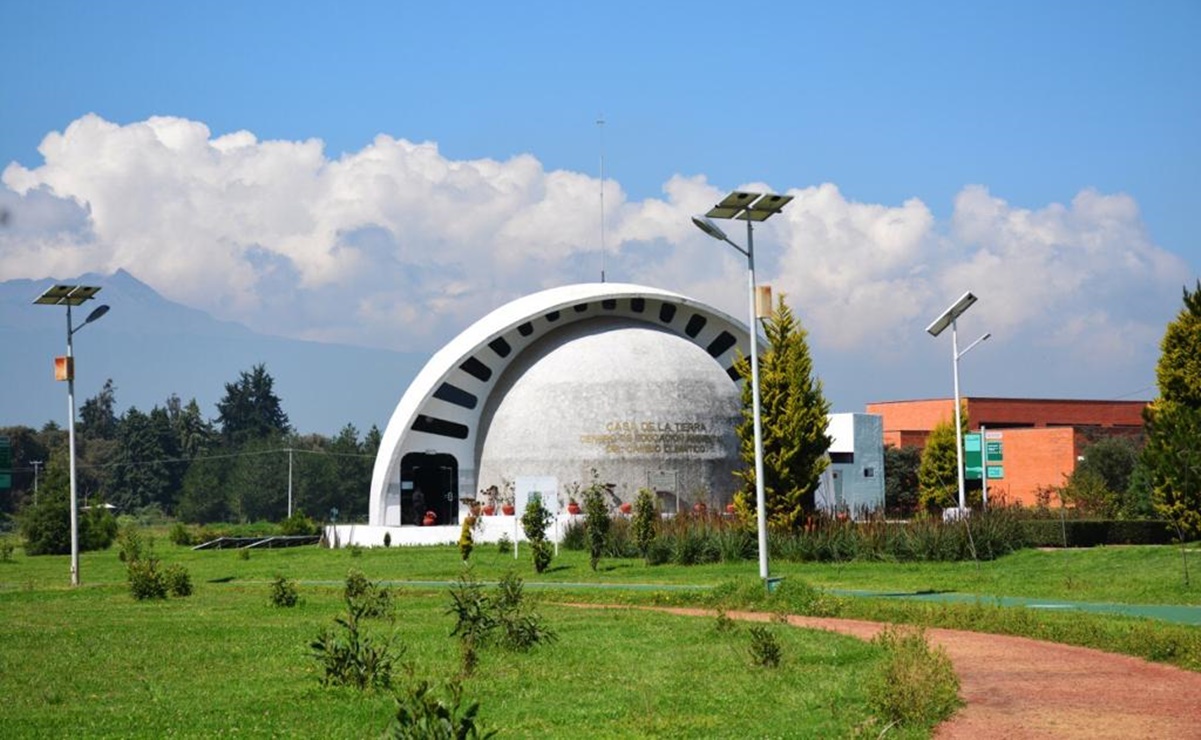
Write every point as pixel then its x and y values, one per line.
pixel 854 485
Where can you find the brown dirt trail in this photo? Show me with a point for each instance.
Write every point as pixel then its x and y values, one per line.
pixel 1015 687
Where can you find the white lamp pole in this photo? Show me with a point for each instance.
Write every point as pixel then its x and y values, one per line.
pixel 69 296
pixel 950 318
pixel 749 207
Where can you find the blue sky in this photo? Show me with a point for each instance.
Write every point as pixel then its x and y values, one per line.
pixel 1044 155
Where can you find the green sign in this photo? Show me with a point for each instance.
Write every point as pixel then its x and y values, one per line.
pixel 996 471
pixel 973 465
pixel 993 450
pixel 6 481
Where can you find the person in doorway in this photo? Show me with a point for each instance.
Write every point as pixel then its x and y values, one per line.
pixel 418 506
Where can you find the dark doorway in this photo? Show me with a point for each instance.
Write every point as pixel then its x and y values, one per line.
pixel 429 482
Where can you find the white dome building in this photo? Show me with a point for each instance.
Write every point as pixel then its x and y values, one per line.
pixel 635 382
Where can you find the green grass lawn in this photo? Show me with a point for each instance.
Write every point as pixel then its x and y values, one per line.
pixel 94 662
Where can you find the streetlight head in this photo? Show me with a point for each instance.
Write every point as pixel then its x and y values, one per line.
pixel 710 228
pixel 955 311
pixel 100 311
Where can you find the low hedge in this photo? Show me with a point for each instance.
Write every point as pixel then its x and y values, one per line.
pixel 1093 532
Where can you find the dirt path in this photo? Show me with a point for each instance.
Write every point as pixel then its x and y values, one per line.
pixel 1015 687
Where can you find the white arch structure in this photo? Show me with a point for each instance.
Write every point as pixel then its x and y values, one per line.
pixel 440 413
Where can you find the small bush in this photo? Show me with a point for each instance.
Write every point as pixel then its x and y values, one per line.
pixel 917 685
pixel 422 716
pixel 503 619
pixel 466 538
pixel 504 545
pixel 350 657
pixel 178 580
pixel 387 539
pixel 145 579
pixel 765 648
pixel 298 525
pixel 375 600
pixel 723 623
pixel 575 536
pixel 131 546
pixel 356 551
pixel 181 535
pixel 284 593
pixel 6 549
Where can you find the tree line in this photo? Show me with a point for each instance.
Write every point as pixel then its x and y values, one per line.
pixel 173 461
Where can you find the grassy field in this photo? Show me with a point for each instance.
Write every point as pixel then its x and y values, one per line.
pixel 93 662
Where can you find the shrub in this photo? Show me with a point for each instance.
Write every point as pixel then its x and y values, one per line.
pixel 350 657
pixel 504 619
pixel 916 684
pixel 6 549
pixel 575 536
pixel 764 648
pixel 387 539
pixel 466 538
pixel 422 716
pixel 145 579
pixel 284 593
pixel 46 527
pixel 178 580
pixel 181 535
pixel 131 546
pixel 534 521
pixel 375 601
pixel 298 525
pixel 644 520
pixel 596 520
pixel 504 545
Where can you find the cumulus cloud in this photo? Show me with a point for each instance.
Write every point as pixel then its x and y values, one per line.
pixel 398 246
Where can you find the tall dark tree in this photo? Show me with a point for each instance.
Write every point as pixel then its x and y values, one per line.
pixel 1172 455
pixel 901 485
pixel 98 416
pixel 250 409
pixel 794 421
pixel 193 433
pixel 140 474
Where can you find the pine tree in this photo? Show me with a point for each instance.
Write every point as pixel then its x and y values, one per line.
pixel 938 482
pixel 250 409
pixel 1172 455
pixel 794 419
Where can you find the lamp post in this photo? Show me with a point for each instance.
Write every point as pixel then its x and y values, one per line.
pixel 949 318
pixel 749 207
pixel 70 296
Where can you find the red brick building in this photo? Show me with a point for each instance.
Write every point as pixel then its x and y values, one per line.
pixel 1038 440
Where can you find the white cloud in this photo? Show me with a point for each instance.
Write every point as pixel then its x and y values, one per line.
pixel 396 245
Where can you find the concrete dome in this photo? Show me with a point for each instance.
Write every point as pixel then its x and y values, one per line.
pixel 629 399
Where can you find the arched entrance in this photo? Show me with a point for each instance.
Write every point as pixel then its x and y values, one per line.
pixel 429 482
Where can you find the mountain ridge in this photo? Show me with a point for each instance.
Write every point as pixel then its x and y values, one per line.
pixel 152 347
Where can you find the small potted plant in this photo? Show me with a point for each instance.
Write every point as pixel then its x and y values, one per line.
pixel 489 497
pixel 506 498
pixel 430 519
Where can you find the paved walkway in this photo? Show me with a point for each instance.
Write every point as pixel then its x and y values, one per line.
pixel 1015 687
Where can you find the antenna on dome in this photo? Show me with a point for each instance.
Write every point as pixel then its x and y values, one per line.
pixel 600 124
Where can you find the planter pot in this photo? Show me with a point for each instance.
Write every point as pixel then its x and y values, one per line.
pixel 429 521
pixel 730 508
pixel 626 507
pixel 700 508
pixel 507 509
pixel 489 510
pixel 573 509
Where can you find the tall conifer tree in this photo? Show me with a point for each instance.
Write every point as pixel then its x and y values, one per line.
pixel 794 421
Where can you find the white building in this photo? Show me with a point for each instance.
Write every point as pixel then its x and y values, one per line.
pixel 854 481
